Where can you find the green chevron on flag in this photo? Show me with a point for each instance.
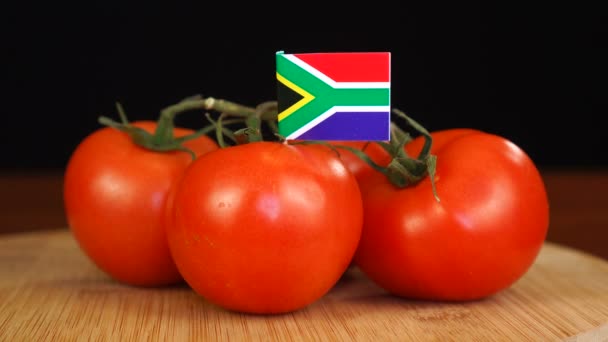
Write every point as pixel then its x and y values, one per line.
pixel 334 96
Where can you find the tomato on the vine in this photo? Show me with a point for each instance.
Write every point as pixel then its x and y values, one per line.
pixel 480 237
pixel 114 195
pixel 265 227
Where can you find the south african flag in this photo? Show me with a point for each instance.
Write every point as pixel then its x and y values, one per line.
pixel 334 96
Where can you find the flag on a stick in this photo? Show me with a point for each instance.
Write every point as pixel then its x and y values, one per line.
pixel 334 96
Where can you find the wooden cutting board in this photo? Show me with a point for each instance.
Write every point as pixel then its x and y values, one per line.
pixel 49 291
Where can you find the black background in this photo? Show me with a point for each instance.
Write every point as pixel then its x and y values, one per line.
pixel 537 77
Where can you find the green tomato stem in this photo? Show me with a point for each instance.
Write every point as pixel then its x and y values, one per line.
pixel 163 139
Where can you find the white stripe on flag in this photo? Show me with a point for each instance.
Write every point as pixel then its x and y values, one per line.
pixel 321 76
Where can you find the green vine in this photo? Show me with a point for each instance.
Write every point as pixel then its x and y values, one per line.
pixel 402 171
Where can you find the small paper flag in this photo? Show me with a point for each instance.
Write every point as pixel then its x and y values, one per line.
pixel 334 96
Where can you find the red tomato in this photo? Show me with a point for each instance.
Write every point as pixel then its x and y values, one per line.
pixel 115 193
pixel 265 227
pixel 357 166
pixel 481 237
pixel 360 168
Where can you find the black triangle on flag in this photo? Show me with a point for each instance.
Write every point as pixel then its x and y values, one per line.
pixel 287 97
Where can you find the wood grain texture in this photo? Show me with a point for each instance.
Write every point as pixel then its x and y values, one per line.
pixel 49 291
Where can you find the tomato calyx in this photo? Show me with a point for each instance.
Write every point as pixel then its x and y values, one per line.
pixel 404 170
pixel 163 139
pixel 264 112
pixel 253 118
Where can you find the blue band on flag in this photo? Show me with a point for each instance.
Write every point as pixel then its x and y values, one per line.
pixel 351 126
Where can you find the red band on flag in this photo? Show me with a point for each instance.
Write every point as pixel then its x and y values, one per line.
pixel 350 67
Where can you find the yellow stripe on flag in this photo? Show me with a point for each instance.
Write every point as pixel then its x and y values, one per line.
pixel 306 97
